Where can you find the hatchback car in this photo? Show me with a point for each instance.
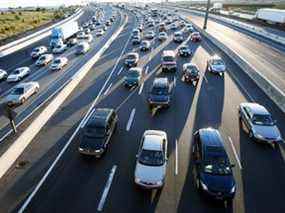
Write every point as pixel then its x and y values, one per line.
pixel 259 123
pixel 160 93
pixel 216 65
pixel 21 92
pixel 145 45
pixel 18 74
pixel 133 77
pixel 97 133
pixel 59 63
pixel 184 51
pixel 44 60
pixel 151 164
pixel 132 59
pixel 212 169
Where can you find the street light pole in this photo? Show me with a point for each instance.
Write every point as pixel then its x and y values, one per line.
pixel 207 14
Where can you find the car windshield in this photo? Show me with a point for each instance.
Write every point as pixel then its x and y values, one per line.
pixel 57 61
pixel 151 157
pixel 168 58
pixel 184 48
pixel 133 74
pixel 16 72
pixel 217 165
pixel 192 70
pixel 264 120
pixel 95 131
pixel 131 56
pixel 159 91
pixel 218 62
pixel 18 91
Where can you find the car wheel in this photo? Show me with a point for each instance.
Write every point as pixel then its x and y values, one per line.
pixel 37 90
pixel 23 100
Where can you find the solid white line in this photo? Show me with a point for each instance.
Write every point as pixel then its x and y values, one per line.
pixel 131 118
pixel 141 88
pixel 235 153
pixel 176 157
pixel 146 69
pixel 174 81
pixel 120 71
pixel 107 189
pixel 107 90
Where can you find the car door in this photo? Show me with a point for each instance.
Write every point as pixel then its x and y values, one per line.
pixel 247 117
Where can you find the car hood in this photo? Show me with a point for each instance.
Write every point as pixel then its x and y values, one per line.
pixel 222 183
pixel 91 143
pixel 158 98
pixel 269 132
pixel 218 67
pixel 13 97
pixel 150 173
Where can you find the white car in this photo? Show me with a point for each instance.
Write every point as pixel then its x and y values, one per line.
pixel 82 48
pixel 151 162
pixel 59 48
pixel 100 32
pixel 89 38
pixel 38 51
pixel 22 92
pixel 178 37
pixel 45 59
pixel 58 63
pixel 216 65
pixel 149 35
pixel 81 35
pixel 162 36
pixel 3 74
pixel 18 74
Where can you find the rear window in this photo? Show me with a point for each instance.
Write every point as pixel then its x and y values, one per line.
pixel 168 58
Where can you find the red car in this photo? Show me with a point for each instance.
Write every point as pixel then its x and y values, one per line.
pixel 195 37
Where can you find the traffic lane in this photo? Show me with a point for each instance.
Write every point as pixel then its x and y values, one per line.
pixel 51 81
pixel 267 60
pixel 74 111
pixel 22 57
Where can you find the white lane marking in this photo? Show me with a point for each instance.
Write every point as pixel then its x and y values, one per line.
pixel 131 118
pixel 235 152
pixel 141 88
pixel 85 118
pixel 146 69
pixel 176 157
pixel 107 188
pixel 120 71
pixel 205 77
pixel 174 82
pixel 107 90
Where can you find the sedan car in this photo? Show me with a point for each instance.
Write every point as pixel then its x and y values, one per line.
pixel 59 63
pixel 133 77
pixel 173 26
pixel 45 59
pixel 216 65
pixel 195 37
pixel 132 59
pixel 59 49
pixel 259 123
pixel 149 35
pixel 38 51
pixel 97 133
pixel 18 74
pixel 151 164
pixel 100 32
pixel 136 40
pixel 162 36
pixel 178 37
pixel 145 45
pixel 191 73
pixel 21 92
pixel 72 42
pixel 184 51
pixel 3 75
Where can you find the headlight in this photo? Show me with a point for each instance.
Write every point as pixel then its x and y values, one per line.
pixel 259 136
pixel 204 186
pixel 233 189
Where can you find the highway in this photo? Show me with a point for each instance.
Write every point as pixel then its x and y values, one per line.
pixel 77 183
pixel 50 82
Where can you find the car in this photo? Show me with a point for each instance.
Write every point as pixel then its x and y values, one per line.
pixel 162 36
pixel 81 35
pixel 60 48
pixel 133 77
pixel 18 74
pixel 189 28
pixel 92 27
pixel 259 123
pixel 100 32
pixel 38 51
pixel 182 24
pixel 45 59
pixel 195 37
pixel 98 23
pixel 97 132
pixel 72 42
pixel 89 38
pixel 85 25
pixel 59 63
pixel 216 65
pixel 178 37
pixel 173 26
pixel 82 48
pixel 136 40
pixel 162 27
pixel 151 163
pixel 190 73
pixel 108 23
pixel 212 170
pixel 3 75
pixel 149 35
pixel 159 95
pixel 145 45
pixel 168 61
pixel 21 92
pixel 87 31
pixel 135 33
pixel 131 59
pixel 184 51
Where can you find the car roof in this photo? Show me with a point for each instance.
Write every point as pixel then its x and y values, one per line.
pixel 99 117
pixel 152 142
pixel 257 108
pixel 135 69
pixel 160 82
pixel 210 138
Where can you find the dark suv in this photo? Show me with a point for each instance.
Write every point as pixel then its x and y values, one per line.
pixel 212 168
pixel 98 131
pixel 159 94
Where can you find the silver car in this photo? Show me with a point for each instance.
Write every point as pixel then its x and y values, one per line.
pixel 216 65
pixel 18 74
pixel 3 74
pixel 151 162
pixel 22 92
pixel 59 63
pixel 259 122
pixel 38 51
pixel 45 59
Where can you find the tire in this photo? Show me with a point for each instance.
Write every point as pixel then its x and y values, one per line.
pixel 23 100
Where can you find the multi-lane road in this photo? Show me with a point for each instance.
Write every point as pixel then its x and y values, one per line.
pixel 78 184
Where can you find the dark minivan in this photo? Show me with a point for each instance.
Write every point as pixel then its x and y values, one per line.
pixel 212 168
pixel 98 131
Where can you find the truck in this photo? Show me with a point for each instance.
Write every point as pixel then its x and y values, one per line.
pixel 217 6
pixel 62 33
pixel 269 15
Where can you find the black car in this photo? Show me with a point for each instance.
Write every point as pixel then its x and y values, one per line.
pixel 97 132
pixel 132 59
pixel 184 51
pixel 212 168
pixel 160 92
